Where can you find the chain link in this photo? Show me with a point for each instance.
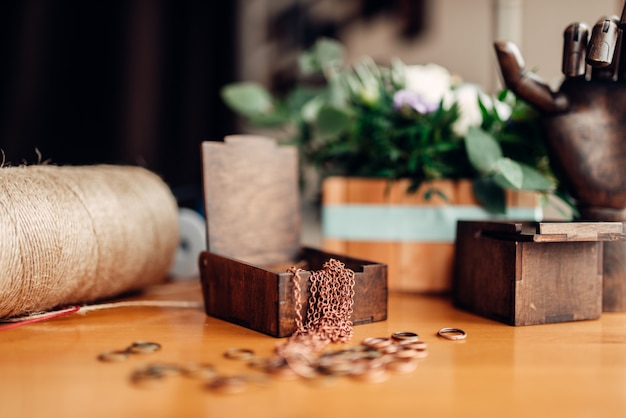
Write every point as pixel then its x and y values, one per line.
pixel 331 297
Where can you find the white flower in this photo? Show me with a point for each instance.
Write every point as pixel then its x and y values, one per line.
pixel 466 96
pixel 503 109
pixel 431 81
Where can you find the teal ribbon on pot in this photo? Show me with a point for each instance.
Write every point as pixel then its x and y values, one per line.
pixel 355 222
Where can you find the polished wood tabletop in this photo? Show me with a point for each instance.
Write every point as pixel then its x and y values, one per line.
pixel 51 368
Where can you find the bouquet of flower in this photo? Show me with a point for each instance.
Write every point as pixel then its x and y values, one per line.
pixel 403 121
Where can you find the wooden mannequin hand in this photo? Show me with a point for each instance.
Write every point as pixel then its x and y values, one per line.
pixel 584 120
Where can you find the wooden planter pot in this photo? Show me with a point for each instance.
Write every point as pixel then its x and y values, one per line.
pixel 414 236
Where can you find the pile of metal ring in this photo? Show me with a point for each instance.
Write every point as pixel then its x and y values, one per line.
pixel 370 361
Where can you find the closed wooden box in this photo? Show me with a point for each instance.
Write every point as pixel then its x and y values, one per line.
pixel 252 204
pixel 528 273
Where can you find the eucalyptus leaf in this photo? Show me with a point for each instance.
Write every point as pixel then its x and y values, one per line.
pixel 535 180
pixel 248 98
pixel 328 52
pixel 307 63
pixel 509 174
pixel 299 96
pixel 337 91
pixel 310 109
pixel 332 122
pixel 325 55
pixel 279 117
pixel 514 175
pixel 483 150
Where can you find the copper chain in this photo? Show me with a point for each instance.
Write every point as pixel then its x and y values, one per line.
pixel 331 296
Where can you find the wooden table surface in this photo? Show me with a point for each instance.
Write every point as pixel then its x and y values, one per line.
pixel 561 370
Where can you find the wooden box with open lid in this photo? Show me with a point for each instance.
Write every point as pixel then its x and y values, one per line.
pixel 253 214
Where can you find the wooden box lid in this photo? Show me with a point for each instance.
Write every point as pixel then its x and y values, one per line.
pixel 552 231
pixel 252 199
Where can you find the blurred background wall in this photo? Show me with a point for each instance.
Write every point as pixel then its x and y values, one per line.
pixel 457 34
pixel 137 81
pixel 115 81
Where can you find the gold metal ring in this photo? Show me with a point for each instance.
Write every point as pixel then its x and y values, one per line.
pixel 376 342
pixel 406 353
pixel 405 336
pixel 452 334
pixel 199 371
pixel 239 354
pixel 143 347
pixel 416 345
pixel 228 384
pixel 113 356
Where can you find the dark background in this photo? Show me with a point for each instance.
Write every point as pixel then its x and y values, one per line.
pixel 115 81
pixel 137 81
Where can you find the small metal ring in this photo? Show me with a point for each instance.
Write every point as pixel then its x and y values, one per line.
pixel 453 334
pixel 405 336
pixel 376 342
pixel 228 384
pixel 143 347
pixel 113 356
pixel 406 353
pixel 415 345
pixel 239 354
pixel 199 371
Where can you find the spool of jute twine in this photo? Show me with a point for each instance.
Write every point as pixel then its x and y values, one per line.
pixel 76 234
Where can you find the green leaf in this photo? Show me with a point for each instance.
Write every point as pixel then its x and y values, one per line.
pixel 490 195
pixel 535 180
pixel 309 111
pixel 279 117
pixel 324 55
pixel 482 150
pixel 509 174
pixel 299 96
pixel 332 122
pixel 517 176
pixel 428 194
pixel 328 52
pixel 503 94
pixel 248 98
pixel 307 63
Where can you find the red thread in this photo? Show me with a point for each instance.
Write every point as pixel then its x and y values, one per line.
pixel 44 317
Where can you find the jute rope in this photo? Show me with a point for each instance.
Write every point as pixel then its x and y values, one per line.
pixel 75 234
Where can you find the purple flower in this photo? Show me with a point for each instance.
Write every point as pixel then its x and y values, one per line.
pixel 404 99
